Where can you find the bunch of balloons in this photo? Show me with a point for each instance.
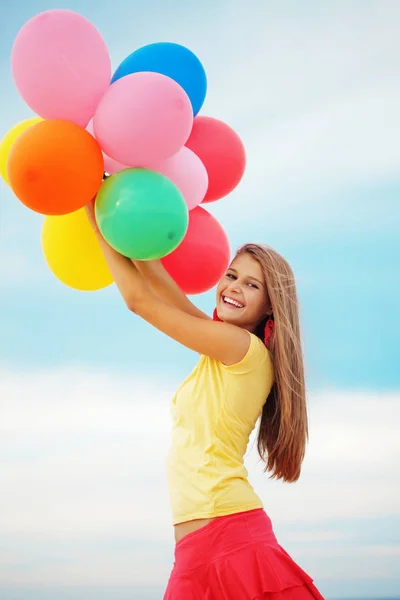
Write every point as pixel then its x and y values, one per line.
pixel 133 140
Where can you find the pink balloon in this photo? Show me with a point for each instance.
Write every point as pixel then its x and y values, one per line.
pixel 144 117
pixel 90 129
pixel 188 173
pixel 199 262
pixel 111 166
pixel 61 66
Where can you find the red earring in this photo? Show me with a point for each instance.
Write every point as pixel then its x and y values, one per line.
pixel 215 316
pixel 269 326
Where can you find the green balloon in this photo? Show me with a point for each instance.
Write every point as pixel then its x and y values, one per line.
pixel 141 214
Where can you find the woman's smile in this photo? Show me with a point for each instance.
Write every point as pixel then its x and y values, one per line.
pixel 231 302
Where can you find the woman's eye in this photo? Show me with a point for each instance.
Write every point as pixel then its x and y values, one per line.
pixel 230 276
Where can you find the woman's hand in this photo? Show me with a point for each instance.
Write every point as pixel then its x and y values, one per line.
pixel 132 286
pixel 165 287
pixel 89 208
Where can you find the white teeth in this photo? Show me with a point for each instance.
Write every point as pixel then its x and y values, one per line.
pixel 230 301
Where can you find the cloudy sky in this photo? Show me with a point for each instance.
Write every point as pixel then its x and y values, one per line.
pixel 313 90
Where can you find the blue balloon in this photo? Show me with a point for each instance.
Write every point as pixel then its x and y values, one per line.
pixel 172 60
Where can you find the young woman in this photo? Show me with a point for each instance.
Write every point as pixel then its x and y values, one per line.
pixel 250 366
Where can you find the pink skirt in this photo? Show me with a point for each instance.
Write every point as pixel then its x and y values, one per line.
pixel 237 557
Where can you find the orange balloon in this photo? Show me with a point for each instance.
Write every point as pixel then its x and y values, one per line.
pixel 55 167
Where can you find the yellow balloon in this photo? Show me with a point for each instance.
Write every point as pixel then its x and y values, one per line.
pixel 9 139
pixel 73 253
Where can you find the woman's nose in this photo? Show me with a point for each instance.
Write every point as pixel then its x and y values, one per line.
pixel 235 287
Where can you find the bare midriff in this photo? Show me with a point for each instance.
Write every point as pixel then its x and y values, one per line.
pixel 183 529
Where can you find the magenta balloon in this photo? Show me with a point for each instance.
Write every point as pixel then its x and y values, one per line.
pixel 188 173
pixel 61 66
pixel 199 262
pixel 143 118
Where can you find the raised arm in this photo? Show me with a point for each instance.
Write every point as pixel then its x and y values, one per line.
pixel 166 288
pixel 221 341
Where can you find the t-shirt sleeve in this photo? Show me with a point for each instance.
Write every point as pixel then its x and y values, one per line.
pixel 256 355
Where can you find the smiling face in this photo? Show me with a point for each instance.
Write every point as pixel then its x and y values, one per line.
pixel 242 297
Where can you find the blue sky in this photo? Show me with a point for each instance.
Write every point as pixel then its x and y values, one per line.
pixel 85 386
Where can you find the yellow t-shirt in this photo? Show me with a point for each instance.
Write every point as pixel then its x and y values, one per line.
pixel 214 412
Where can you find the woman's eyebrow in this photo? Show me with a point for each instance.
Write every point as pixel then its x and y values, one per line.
pixel 255 279
pixel 248 276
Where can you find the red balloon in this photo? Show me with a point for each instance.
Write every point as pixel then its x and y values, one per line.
pixel 222 153
pixel 199 262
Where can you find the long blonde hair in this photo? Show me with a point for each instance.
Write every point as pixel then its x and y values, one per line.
pixel 283 431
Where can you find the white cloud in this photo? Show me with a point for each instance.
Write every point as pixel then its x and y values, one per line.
pixel 72 437
pixel 315 100
pixel 83 479
pixel 86 401
pixel 350 467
